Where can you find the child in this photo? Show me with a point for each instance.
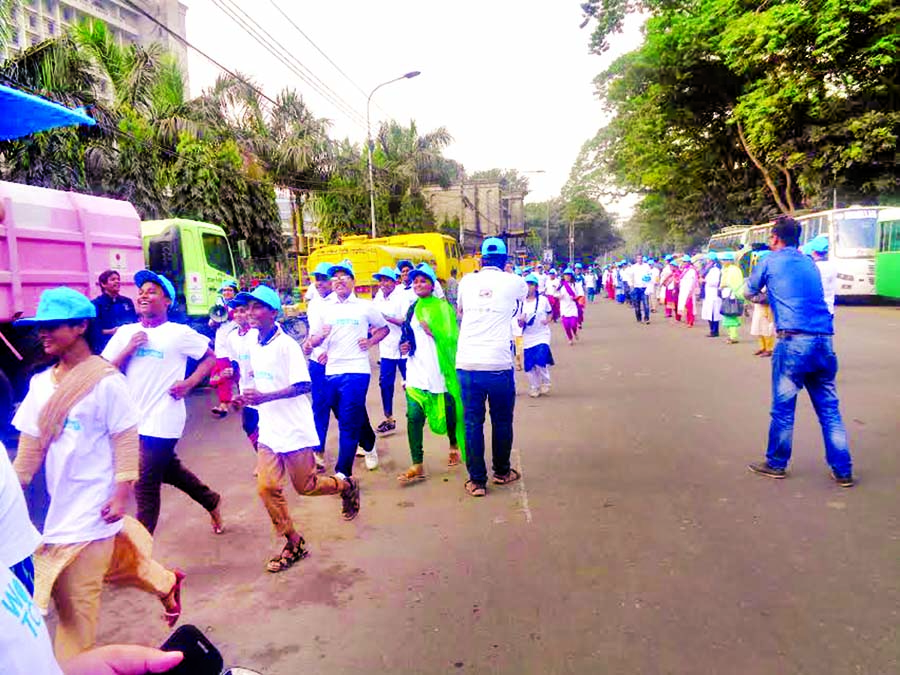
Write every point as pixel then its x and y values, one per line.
pixel 535 322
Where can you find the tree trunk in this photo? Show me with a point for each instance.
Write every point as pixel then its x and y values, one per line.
pixel 767 177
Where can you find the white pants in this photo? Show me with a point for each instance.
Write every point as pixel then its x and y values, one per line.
pixel 537 376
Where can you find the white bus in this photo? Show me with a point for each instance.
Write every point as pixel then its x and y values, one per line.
pixel 730 239
pixel 851 233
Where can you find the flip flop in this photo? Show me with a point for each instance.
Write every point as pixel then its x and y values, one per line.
pixel 511 477
pixel 475 490
pixel 172 616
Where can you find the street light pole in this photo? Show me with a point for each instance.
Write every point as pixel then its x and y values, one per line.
pixel 407 76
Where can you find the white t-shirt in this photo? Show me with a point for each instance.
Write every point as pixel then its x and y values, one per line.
pixel 221 339
pixel 423 370
pixel 394 306
pixel 79 466
pixel 350 320
pixel 567 305
pixel 627 275
pixel 488 300
pixel 552 287
pixel 542 282
pixel 18 537
pixel 287 424
pixel 828 272
pixel 590 280
pixel 25 647
pixel 314 317
pixel 312 293
pixel 537 333
pixel 153 368
pixel 638 272
pixel 239 352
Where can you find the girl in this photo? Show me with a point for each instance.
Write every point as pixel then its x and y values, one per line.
pixel 732 287
pixel 535 322
pixel 569 294
pixel 687 284
pixel 712 302
pixel 78 419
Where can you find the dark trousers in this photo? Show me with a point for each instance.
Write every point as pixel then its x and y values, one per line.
pixel 497 389
pixel 321 411
pixel 386 378
pixel 714 328
pixel 250 424
pixel 346 395
pixel 415 427
pixel 160 464
pixel 640 301
pixel 24 572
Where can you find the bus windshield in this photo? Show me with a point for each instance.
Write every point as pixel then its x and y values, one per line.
pixel 855 233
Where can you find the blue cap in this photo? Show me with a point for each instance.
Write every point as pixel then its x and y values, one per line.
pixel 578 266
pixel 61 304
pixel 343 266
pixel 818 244
pixel 532 279
pixel 323 269
pixel 568 270
pixel 263 294
pixel 424 270
pixel 493 246
pixel 685 258
pixel 517 270
pixel 727 256
pixel 144 276
pixel 552 270
pixel 228 283
pixel 387 273
pixel 405 263
pixel 712 255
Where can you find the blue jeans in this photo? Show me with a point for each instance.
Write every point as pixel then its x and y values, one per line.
pixel 386 378
pixel 321 410
pixel 346 395
pixel 497 388
pixel 806 361
pixel 640 300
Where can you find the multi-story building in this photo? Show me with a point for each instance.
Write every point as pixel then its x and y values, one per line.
pixel 36 20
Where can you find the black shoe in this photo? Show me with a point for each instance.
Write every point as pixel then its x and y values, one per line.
pixel 844 481
pixel 386 426
pixel 350 499
pixel 764 469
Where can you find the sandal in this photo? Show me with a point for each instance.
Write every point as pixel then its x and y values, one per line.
pixel 511 477
pixel 216 518
pixel 350 499
pixel 172 616
pixel 475 490
pixel 455 458
pixel 414 474
pixel 290 554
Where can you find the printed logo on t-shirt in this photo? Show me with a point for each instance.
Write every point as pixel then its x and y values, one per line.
pixel 18 602
pixel 263 375
pixel 485 293
pixel 152 353
pixel 74 425
pixel 349 321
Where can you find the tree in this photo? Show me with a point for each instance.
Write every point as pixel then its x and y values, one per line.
pixel 509 179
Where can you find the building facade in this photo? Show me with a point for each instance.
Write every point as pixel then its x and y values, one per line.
pixel 481 209
pixel 34 21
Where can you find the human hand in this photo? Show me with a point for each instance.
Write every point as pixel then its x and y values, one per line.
pixel 404 348
pixel 427 329
pixel 122 660
pixel 251 397
pixel 180 389
pixel 114 509
pixel 138 339
pixel 364 344
pixel 307 347
pixel 323 358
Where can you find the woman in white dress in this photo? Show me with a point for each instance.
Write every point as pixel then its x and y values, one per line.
pixel 712 302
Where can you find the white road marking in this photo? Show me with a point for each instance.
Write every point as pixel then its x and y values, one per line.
pixel 523 494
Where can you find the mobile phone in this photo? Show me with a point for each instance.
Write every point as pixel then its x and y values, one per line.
pixel 200 655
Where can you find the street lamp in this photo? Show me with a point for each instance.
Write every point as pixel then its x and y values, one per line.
pixel 407 76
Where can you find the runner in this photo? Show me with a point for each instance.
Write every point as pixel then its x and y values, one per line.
pixel 552 293
pixel 487 301
pixel 79 421
pixel 343 331
pixel 392 303
pixel 287 433
pixel 569 293
pixel 224 385
pixel 535 321
pixel 430 339
pixel 153 355
pixel 314 310
pixel 687 284
pixel 239 343
pixel 712 301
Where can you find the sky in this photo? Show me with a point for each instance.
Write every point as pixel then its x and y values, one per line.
pixel 510 80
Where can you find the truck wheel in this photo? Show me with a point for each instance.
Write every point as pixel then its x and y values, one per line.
pixel 296 327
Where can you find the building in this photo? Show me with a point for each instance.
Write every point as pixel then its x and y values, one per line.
pixel 480 209
pixel 36 20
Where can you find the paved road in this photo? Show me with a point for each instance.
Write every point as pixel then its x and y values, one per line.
pixel 638 542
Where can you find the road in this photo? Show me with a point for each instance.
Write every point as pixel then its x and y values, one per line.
pixel 637 542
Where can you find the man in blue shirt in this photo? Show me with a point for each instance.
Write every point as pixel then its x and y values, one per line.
pixel 804 356
pixel 113 310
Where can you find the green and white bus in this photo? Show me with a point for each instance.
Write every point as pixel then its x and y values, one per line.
pixel 887 258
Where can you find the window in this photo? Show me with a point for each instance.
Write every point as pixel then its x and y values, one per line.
pixel 890 237
pixel 218 255
pixel 32 20
pixel 51 27
pixel 68 14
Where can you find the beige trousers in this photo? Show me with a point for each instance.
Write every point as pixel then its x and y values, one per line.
pixel 300 466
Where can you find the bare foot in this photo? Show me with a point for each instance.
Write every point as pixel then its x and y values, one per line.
pixel 216 518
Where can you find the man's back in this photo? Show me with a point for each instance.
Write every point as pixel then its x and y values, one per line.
pixel 795 292
pixel 488 300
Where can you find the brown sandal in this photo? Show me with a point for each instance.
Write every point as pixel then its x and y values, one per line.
pixel 511 477
pixel 290 554
pixel 455 457
pixel 174 614
pixel 475 490
pixel 414 474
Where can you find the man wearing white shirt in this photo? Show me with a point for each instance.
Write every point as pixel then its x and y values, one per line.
pixel 321 411
pixel 344 334
pixel 487 302
pixel 393 305
pixel 541 277
pixel 153 355
pixel 287 432
pixel 640 276
pixel 817 248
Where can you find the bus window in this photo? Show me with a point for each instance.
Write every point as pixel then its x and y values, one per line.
pixel 854 233
pixel 218 255
pixel 890 237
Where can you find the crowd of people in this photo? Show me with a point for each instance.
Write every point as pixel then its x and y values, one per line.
pixel 105 419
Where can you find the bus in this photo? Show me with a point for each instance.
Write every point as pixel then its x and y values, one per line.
pixel 732 239
pixel 887 258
